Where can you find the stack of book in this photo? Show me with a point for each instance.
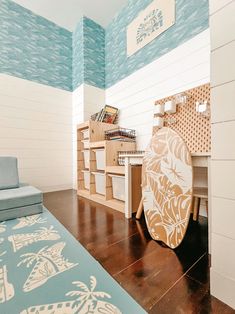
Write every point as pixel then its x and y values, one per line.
pixel 121 134
pixel 108 114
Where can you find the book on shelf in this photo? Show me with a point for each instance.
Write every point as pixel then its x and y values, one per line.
pixel 108 114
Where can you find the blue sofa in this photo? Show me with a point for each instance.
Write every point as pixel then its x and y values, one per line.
pixel 16 200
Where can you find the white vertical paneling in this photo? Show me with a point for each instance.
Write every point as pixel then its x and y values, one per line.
pixel 222 98
pixel 87 100
pixel 222 287
pixel 222 72
pixel 223 32
pixel 216 5
pixel 223 224
pixel 183 68
pixel 223 149
pixel 222 248
pixel 223 153
pixel 36 127
pixel 94 100
pixel 78 117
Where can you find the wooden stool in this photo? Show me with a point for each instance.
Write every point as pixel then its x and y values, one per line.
pixel 198 194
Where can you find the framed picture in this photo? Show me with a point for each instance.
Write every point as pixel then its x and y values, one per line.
pixel 149 24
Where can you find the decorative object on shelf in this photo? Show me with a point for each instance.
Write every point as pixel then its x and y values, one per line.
pixel 159 110
pixel 136 154
pixel 158 122
pixel 170 107
pixel 149 24
pixel 203 108
pixel 167 186
pixel 121 134
pixel 108 114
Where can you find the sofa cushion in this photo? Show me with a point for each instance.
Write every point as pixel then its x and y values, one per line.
pixel 9 178
pixel 19 197
pixel 14 213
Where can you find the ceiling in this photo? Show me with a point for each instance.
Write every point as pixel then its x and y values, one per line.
pixel 67 13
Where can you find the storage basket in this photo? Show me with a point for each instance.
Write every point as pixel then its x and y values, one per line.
pixel 85 133
pixel 99 182
pixel 118 183
pixel 100 158
pixel 86 144
pixel 86 175
pixel 86 156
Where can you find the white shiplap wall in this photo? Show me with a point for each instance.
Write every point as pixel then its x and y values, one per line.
pixel 183 68
pixel 36 127
pixel 222 25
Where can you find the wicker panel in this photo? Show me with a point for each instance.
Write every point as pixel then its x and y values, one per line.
pixel 193 127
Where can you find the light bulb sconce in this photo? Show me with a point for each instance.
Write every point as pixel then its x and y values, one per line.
pixel 203 108
pixel 182 98
pixel 170 107
pixel 159 110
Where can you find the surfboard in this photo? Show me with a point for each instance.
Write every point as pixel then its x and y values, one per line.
pixel 167 187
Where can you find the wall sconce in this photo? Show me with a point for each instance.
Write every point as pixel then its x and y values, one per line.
pixel 170 107
pixel 181 98
pixel 203 108
pixel 159 110
pixel 158 122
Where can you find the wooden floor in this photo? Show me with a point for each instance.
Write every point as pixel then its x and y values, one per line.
pixel 159 279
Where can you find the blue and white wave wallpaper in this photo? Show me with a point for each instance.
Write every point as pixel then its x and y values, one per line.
pixel 89 54
pixel 94 53
pixel 192 17
pixel 78 56
pixel 34 48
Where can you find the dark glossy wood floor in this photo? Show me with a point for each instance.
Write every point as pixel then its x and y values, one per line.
pixel 159 279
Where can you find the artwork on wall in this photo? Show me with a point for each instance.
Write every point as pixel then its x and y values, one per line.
pixel 149 24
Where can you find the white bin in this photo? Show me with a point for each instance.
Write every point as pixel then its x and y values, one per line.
pixel 85 134
pixel 99 182
pixel 86 156
pixel 86 144
pixel 100 158
pixel 118 183
pixel 86 179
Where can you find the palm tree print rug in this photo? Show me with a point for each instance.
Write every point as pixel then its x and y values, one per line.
pixel 45 270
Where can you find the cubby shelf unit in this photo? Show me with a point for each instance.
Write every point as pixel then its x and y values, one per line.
pixel 91 135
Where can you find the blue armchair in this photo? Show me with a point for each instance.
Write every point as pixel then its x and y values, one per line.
pixel 16 200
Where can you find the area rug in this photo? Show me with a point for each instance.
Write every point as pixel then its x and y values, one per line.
pixel 45 270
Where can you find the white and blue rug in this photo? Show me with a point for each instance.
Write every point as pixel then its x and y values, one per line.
pixel 45 270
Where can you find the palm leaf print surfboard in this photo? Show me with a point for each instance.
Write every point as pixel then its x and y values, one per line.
pixel 167 187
